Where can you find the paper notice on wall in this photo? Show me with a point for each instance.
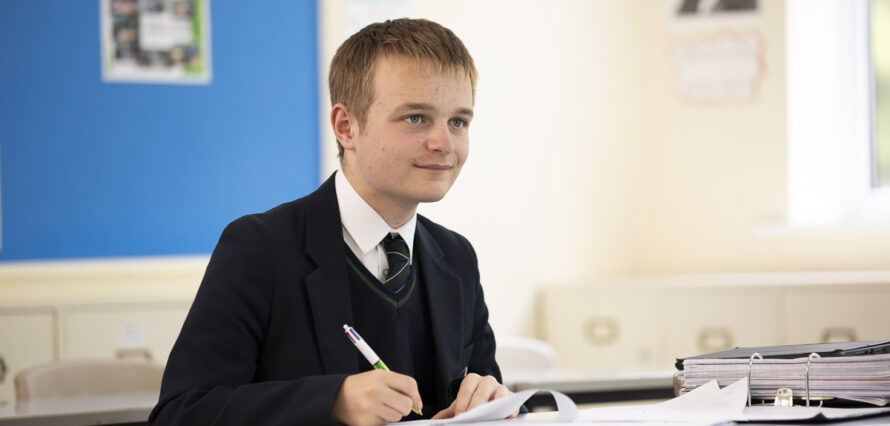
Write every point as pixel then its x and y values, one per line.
pixel 717 68
pixel 155 41
pixel 716 51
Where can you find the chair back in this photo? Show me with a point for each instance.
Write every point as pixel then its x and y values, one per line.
pixel 523 354
pixel 87 377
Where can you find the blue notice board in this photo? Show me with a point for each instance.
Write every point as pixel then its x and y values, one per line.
pixel 90 169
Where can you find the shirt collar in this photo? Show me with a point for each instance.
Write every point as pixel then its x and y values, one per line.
pixel 363 224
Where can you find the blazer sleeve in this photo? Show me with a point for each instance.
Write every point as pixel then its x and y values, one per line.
pixel 209 377
pixel 482 359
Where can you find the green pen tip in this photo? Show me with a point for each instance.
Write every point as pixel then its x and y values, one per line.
pixel 419 412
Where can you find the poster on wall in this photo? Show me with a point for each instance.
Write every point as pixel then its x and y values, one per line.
pixel 717 51
pixel 715 14
pixel 155 41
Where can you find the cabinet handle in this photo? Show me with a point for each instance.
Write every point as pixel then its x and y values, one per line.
pixel 3 369
pixel 129 353
pixel 713 339
pixel 838 334
pixel 600 331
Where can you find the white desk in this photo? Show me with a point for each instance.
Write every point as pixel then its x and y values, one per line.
pixel 133 408
pixel 586 387
pixel 80 410
pixel 545 417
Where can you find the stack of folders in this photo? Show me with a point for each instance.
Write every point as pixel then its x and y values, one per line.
pixel 851 371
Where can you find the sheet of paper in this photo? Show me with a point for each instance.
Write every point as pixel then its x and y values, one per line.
pixel 849 413
pixel 729 399
pixel 765 413
pixel 707 404
pixel 501 408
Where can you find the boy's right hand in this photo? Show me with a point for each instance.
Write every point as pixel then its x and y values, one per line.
pixel 375 397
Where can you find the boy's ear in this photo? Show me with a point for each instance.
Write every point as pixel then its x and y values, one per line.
pixel 345 125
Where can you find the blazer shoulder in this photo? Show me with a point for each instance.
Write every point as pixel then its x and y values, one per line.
pixel 288 215
pixel 279 219
pixel 447 239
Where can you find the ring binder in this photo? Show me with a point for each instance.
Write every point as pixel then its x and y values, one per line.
pixel 811 357
pixel 854 372
pixel 783 395
pixel 751 361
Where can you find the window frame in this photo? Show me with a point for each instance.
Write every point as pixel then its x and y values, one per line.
pixel 831 143
pixel 873 91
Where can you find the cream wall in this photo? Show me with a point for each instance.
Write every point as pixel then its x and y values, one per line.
pixel 582 144
pixel 585 165
pixel 713 190
pixel 544 194
pixel 101 280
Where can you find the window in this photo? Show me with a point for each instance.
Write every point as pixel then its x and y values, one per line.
pixel 838 100
pixel 880 50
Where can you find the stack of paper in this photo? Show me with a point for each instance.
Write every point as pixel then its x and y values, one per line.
pixel 864 378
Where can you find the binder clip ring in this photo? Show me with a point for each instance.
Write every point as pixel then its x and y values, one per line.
pixel 809 359
pixel 751 361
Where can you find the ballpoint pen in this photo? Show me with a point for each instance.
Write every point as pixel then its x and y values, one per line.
pixel 369 353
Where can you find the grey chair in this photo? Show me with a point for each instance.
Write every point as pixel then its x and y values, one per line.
pixel 523 355
pixel 87 377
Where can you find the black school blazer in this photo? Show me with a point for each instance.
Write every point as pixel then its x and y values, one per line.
pixel 263 342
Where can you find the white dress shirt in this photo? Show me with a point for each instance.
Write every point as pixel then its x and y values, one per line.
pixel 364 229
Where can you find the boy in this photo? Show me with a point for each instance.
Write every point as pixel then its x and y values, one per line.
pixel 263 342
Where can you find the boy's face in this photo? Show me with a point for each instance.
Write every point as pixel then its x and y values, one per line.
pixel 415 138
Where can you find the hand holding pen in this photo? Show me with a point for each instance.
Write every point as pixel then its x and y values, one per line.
pixel 369 353
pixel 376 396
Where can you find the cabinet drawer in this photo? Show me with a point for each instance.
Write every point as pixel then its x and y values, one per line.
pixel 704 320
pixel 27 338
pixel 121 329
pixel 601 330
pixel 836 315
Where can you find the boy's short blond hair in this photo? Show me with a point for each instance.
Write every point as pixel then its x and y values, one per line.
pixel 351 79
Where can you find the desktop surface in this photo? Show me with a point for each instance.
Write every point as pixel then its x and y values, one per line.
pixel 123 408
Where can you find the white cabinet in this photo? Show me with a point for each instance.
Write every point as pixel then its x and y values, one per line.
pixel 27 337
pixel 122 329
pixel 647 325
pixel 613 328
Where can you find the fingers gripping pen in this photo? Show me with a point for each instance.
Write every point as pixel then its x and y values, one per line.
pixel 368 353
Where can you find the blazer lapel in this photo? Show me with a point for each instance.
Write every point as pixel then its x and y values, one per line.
pixel 444 298
pixel 327 286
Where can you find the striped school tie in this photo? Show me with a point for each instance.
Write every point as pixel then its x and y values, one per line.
pixel 399 263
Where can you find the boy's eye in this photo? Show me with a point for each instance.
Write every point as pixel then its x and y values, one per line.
pixel 457 122
pixel 414 119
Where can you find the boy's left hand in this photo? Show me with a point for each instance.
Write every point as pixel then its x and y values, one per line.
pixel 475 390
